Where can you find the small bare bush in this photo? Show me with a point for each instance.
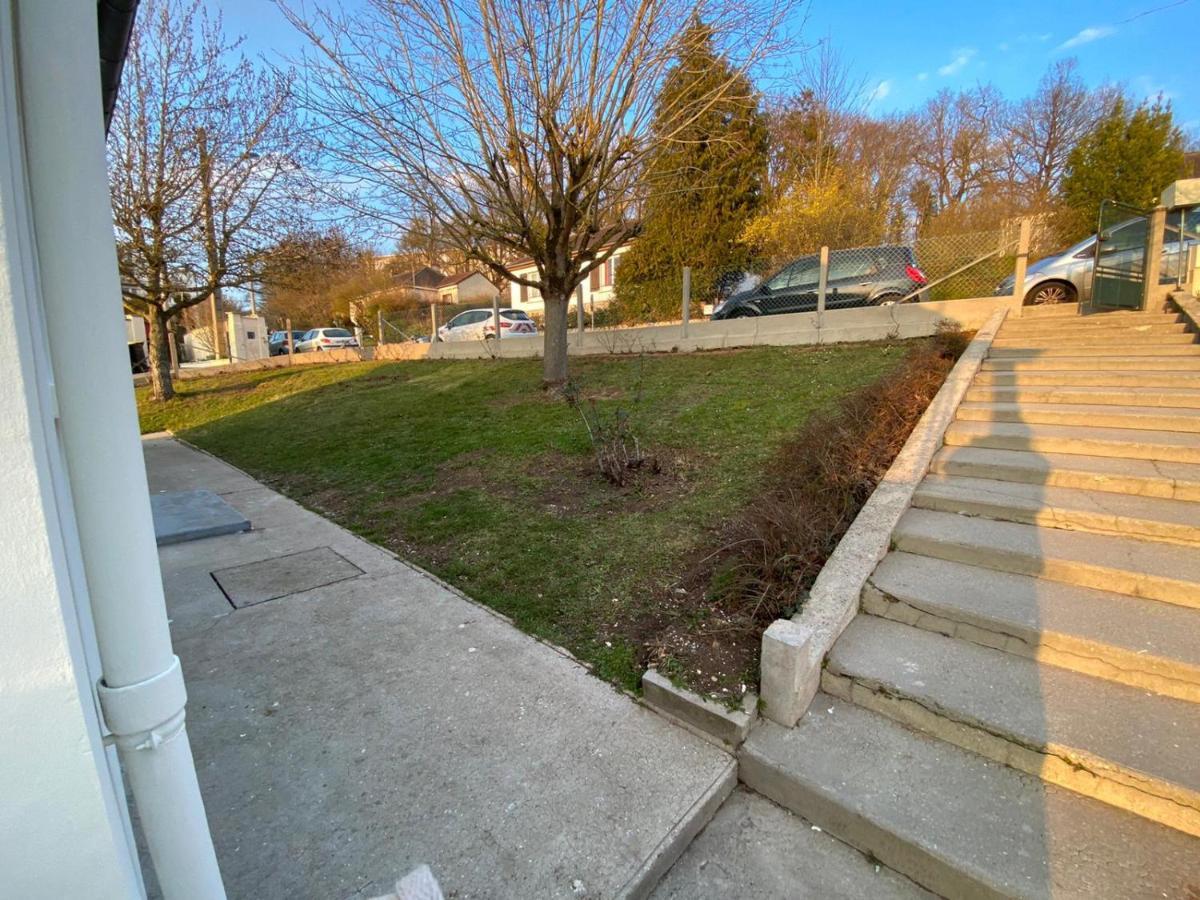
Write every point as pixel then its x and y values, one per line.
pixel 615 445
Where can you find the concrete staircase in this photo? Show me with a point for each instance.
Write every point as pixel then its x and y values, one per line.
pixel 1016 710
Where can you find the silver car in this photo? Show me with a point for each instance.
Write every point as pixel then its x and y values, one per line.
pixel 1067 277
pixel 319 339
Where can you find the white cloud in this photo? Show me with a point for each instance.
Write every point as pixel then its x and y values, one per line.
pixel 921 76
pixel 881 90
pixel 959 62
pixel 1002 47
pixel 1087 35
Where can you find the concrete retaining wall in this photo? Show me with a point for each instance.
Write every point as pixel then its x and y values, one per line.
pixel 870 323
pixel 793 650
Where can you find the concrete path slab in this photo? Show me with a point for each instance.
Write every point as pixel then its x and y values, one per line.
pixel 755 850
pixel 345 734
pixel 181 516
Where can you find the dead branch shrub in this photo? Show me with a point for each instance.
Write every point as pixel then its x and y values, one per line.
pixel 816 483
pixel 615 445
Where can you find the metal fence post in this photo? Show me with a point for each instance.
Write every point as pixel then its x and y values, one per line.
pixel 579 315
pixel 687 298
pixel 287 323
pixel 433 319
pixel 379 338
pixel 822 284
pixel 1154 247
pixel 1019 266
pixel 496 323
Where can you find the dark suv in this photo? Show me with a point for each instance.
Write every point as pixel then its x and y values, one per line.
pixel 863 276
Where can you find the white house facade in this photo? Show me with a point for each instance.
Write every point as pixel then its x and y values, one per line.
pixel 87 672
pixel 597 287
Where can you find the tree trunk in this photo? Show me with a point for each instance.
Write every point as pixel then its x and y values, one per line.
pixel 554 355
pixel 161 384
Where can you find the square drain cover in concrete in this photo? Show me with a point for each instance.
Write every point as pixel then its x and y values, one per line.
pixel 268 579
pixel 190 515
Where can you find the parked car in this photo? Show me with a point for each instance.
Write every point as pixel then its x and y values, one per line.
pixel 1067 277
pixel 277 343
pixel 478 324
pixel 319 339
pixel 862 276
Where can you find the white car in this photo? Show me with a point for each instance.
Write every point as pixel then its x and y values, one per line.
pixel 326 339
pixel 478 324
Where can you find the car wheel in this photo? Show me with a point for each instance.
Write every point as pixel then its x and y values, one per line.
pixel 743 312
pixel 1050 292
pixel 888 299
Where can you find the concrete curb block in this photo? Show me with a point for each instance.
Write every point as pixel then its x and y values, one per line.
pixel 1189 306
pixel 682 833
pixel 725 727
pixel 794 650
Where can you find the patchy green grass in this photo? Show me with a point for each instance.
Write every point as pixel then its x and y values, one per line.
pixel 468 469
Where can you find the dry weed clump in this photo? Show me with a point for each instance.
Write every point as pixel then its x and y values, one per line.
pixel 816 484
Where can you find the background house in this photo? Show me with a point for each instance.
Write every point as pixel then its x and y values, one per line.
pixel 466 287
pixel 597 287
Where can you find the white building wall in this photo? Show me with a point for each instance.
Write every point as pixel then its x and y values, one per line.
pixel 61 806
pixel 598 294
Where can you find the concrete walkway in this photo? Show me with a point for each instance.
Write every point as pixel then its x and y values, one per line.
pixel 346 733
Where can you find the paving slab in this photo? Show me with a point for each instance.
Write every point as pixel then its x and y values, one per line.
pixel 756 850
pixel 279 576
pixel 345 734
pixel 181 516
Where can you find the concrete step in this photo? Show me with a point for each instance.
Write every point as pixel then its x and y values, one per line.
pixel 1131 362
pixel 1116 744
pixel 1055 350
pixel 1099 378
pixel 1100 340
pixel 1111 636
pixel 1108 396
pixel 1150 569
pixel 1091 323
pixel 1167 446
pixel 1049 311
pixel 1157 326
pixel 955 822
pixel 1149 518
pixel 1084 414
pixel 1141 477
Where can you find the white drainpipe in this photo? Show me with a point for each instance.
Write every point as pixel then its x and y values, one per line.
pixel 142 695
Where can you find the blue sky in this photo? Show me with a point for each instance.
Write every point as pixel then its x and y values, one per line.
pixel 908 51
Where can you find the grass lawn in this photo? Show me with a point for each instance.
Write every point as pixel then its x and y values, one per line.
pixel 468 469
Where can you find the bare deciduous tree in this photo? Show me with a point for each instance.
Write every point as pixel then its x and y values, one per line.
pixel 957 153
pixel 199 152
pixel 519 128
pixel 1043 129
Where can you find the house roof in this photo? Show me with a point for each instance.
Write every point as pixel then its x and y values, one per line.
pixel 527 261
pixel 451 280
pixel 426 277
pixel 114 21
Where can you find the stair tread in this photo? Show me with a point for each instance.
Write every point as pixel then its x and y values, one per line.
pixel 959 823
pixel 1161 636
pixel 1128 362
pixel 1100 378
pixel 1105 395
pixel 1115 552
pixel 1129 409
pixel 1145 347
pixel 1048 497
pixel 1037 468
pixel 1187 439
pixel 1111 729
